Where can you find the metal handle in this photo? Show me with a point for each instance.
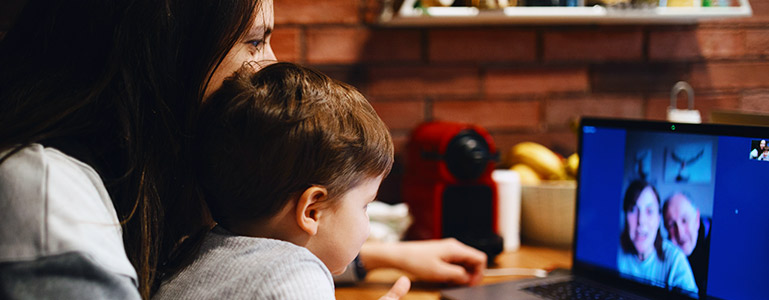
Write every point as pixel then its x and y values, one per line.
pixel 682 86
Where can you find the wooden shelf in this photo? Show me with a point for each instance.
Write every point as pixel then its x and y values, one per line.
pixel 407 15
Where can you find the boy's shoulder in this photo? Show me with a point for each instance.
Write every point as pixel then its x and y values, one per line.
pixel 232 266
pixel 220 241
pixel 262 255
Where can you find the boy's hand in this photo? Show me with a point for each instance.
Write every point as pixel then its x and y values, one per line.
pixel 399 289
pixel 445 260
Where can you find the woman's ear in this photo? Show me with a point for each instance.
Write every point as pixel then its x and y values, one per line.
pixel 307 209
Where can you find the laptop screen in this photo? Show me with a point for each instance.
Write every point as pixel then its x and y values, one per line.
pixel 682 207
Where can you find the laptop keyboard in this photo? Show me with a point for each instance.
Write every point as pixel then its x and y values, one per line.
pixel 572 290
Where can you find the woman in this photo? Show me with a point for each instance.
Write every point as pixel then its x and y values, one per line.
pixel 97 99
pixel 104 92
pixel 644 254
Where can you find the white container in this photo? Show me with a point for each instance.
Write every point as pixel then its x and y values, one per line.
pixel 508 207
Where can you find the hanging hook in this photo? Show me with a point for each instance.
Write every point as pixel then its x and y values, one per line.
pixel 689 115
pixel 679 87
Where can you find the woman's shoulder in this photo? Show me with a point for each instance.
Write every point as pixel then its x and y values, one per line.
pixel 673 254
pixel 29 170
pixel 23 172
pixel 53 204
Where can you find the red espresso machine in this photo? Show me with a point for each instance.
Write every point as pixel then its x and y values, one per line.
pixel 448 186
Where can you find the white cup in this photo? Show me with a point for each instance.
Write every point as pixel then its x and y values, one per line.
pixel 508 207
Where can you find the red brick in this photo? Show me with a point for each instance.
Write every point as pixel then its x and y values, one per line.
pixel 482 45
pixel 286 43
pixel 755 20
pixel 721 43
pixel 562 112
pixel 760 7
pixel 760 10
pixel 594 45
pixel 336 44
pixel 657 106
pixel 372 10
pixel 638 78
pixel 400 138
pixel 491 115
pixel 695 44
pixel 350 74
pixel 421 81
pixel 400 114
pixel 355 44
pixel 673 45
pixel 317 12
pixel 757 42
pixel 728 75
pixel 755 101
pixel 535 81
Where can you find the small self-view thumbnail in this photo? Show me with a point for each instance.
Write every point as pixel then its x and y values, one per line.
pixel 759 150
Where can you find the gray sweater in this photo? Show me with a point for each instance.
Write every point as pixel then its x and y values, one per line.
pixel 238 267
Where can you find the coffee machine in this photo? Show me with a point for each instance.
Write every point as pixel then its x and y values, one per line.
pixel 448 186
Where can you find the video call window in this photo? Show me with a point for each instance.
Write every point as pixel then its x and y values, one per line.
pixel 759 150
pixel 667 208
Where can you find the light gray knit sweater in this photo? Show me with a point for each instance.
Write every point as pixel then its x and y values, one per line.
pixel 238 267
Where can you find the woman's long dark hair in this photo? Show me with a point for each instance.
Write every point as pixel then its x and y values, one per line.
pixel 634 190
pixel 118 84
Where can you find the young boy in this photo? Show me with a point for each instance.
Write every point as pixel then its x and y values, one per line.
pixel 288 160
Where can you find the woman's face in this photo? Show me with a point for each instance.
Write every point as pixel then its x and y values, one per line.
pixel 643 221
pixel 253 46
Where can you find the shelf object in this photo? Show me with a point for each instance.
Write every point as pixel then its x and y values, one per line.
pixel 407 15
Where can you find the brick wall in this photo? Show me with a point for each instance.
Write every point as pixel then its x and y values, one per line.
pixel 525 82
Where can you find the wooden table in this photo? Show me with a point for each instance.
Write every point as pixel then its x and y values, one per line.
pixel 378 282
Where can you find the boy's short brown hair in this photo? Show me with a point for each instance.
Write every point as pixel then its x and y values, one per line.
pixel 264 137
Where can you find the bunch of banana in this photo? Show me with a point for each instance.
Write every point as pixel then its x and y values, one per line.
pixel 572 163
pixel 535 162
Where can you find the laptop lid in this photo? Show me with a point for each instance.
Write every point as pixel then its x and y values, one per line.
pixel 667 207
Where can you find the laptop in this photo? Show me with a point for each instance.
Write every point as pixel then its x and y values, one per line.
pixel 616 249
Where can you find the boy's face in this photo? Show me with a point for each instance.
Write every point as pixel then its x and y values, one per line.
pixel 344 226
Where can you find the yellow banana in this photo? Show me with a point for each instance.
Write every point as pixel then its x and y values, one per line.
pixel 527 174
pixel 572 163
pixel 541 159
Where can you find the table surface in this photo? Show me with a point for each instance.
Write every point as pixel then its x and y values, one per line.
pixel 378 282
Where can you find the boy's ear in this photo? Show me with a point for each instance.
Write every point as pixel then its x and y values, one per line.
pixel 307 210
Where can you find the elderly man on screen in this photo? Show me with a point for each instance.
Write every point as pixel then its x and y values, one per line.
pixel 690 232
